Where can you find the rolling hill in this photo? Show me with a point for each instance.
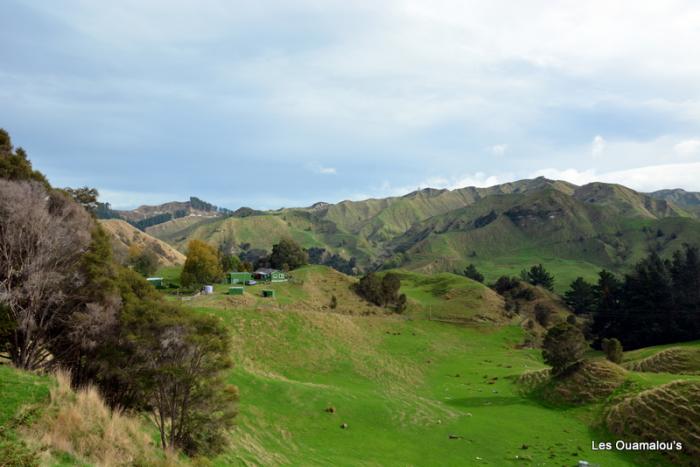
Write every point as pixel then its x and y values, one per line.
pixel 573 230
pixel 123 236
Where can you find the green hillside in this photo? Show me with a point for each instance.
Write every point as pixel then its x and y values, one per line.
pixel 574 231
pixel 361 385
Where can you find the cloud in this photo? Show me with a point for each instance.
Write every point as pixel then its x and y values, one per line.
pixel 645 179
pixel 499 149
pixel 321 170
pixel 687 148
pixel 598 146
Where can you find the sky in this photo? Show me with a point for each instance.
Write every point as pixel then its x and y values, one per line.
pixel 274 104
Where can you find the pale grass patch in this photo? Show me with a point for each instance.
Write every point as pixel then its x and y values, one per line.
pixel 82 425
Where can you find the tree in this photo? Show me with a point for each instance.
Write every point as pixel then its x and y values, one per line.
pixel 613 350
pixel 14 164
pixel 544 314
pixel 381 291
pixel 288 252
pixel 85 196
pixel 391 283
pixel 202 265
pixel 231 263
pixel 401 303
pixel 182 357
pixel 580 297
pixel 370 288
pixel 472 273
pixel 505 284
pixel 43 236
pixel 538 275
pixel 143 261
pixel 563 346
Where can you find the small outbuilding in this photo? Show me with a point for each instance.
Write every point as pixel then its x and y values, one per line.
pixel 236 277
pixel 268 293
pixel 235 291
pixel 270 275
pixel 156 282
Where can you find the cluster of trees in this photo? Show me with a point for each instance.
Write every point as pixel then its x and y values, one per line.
pixel 537 275
pixel 65 302
pixel 657 303
pixel 142 260
pixel 382 291
pixel 202 266
pixel 319 255
pixel 472 273
pixel 207 265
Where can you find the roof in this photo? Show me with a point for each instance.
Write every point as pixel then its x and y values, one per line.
pixel 154 278
pixel 266 271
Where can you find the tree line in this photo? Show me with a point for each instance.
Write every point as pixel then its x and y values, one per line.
pixel 66 303
pixel 658 302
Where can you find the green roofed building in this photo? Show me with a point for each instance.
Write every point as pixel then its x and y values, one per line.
pixel 238 277
pixel 235 291
pixel 268 293
pixel 156 282
pixel 270 275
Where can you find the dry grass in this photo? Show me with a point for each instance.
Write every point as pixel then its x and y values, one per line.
pixel 590 381
pixel 666 413
pixel 82 425
pixel 125 235
pixel 679 360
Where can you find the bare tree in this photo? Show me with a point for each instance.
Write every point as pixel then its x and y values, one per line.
pixel 43 236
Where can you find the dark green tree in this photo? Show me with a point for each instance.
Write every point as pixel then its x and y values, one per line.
pixel 391 283
pixel 288 252
pixel 472 273
pixel 613 350
pixel 14 163
pixel 538 275
pixel 580 297
pixel 563 346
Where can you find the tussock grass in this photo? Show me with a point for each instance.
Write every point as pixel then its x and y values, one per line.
pixel 589 381
pixel 679 360
pixel 83 426
pixel 666 413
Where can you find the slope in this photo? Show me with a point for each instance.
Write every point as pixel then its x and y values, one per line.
pixel 124 236
pixel 345 387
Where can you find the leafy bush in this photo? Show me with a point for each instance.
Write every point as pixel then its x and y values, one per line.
pixel 564 345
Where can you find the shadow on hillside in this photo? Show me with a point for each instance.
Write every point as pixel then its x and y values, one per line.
pixel 486 401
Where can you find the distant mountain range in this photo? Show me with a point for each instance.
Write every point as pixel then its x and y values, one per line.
pixel 577 229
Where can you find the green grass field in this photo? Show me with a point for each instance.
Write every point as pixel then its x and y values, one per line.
pixel 411 391
pixel 360 385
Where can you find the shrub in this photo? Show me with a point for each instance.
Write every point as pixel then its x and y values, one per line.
pixel 334 302
pixel 544 314
pixel 613 350
pixel 563 346
pixel 505 283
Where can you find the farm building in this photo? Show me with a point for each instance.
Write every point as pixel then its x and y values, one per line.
pixel 235 291
pixel 156 282
pixel 238 277
pixel 268 293
pixel 270 275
